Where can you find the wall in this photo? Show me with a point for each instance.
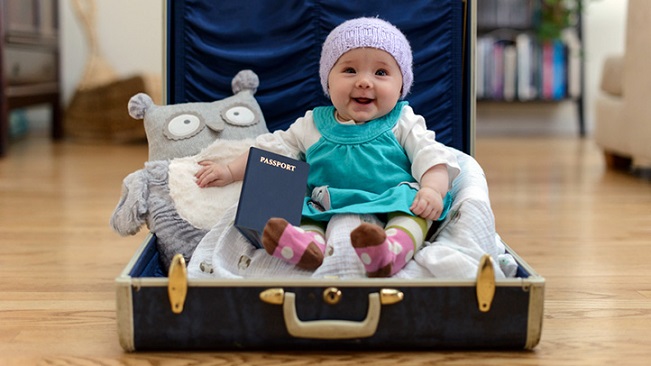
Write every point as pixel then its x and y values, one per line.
pixel 606 30
pixel 131 40
pixel 129 34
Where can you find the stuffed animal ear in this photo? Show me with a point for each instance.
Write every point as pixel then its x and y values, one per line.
pixel 245 80
pixel 130 213
pixel 139 104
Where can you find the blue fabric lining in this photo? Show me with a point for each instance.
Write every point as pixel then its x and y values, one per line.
pixel 210 41
pixel 148 263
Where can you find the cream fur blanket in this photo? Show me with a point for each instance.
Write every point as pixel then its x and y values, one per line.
pixel 204 207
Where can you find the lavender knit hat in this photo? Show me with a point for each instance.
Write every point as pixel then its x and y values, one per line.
pixel 367 32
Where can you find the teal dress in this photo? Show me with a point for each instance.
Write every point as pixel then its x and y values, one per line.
pixel 364 166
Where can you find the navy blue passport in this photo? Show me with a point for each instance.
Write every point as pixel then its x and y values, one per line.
pixel 273 186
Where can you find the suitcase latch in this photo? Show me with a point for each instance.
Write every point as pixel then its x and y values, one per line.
pixel 485 283
pixel 177 287
pixel 332 295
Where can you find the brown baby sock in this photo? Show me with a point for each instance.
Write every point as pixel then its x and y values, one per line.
pixel 293 244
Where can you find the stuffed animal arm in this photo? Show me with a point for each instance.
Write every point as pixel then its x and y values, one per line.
pixel 164 196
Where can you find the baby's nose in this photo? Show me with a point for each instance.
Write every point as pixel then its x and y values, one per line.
pixel 363 82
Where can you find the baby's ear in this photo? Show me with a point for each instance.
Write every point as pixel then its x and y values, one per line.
pixel 139 104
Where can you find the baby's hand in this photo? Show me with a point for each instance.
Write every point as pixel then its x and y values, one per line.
pixel 428 204
pixel 212 174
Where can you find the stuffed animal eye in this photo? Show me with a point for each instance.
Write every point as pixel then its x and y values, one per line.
pixel 240 116
pixel 183 126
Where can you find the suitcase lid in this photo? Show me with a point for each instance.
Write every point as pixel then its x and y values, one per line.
pixel 209 42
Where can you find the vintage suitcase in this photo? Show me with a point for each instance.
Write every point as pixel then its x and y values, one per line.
pixel 207 43
pixel 177 313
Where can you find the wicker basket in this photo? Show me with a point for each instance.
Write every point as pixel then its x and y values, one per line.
pixel 101 114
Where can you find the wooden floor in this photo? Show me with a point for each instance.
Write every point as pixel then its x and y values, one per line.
pixel 585 229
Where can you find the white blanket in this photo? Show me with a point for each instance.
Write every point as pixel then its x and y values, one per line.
pixel 467 233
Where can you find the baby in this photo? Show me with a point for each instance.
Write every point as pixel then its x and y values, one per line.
pixel 369 153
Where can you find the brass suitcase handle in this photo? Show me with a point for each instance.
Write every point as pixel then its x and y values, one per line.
pixel 331 329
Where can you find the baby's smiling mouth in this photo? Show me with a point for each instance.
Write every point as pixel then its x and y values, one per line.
pixel 363 100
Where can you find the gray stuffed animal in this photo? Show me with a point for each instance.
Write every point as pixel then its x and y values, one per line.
pixel 180 130
pixel 164 195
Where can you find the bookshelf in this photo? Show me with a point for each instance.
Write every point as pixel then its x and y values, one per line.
pixel 519 60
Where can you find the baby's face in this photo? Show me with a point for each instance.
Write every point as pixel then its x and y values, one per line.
pixel 364 84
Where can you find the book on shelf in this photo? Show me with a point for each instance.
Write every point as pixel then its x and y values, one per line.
pixel 497 76
pixel 524 68
pixel 547 69
pixel 510 72
pixel 559 84
pixel 273 186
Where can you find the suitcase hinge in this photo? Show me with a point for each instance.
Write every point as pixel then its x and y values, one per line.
pixel 177 287
pixel 485 283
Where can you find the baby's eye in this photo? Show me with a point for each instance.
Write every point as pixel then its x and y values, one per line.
pixel 381 72
pixel 349 70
